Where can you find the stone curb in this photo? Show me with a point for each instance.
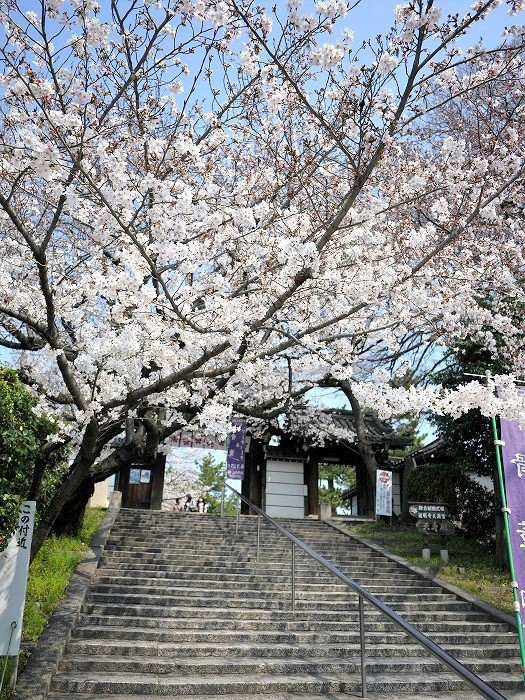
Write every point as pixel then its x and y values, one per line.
pixel 35 680
pixel 487 608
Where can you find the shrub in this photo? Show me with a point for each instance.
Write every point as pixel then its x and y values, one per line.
pixel 471 505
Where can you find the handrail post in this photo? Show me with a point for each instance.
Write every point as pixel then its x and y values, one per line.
pixel 258 536
pixel 293 576
pixel 222 500
pixel 363 647
pixel 237 517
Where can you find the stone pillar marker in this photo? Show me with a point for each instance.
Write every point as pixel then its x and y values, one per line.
pixel 325 511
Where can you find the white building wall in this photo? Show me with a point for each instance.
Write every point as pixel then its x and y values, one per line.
pixel 353 509
pixel 285 489
pixel 100 499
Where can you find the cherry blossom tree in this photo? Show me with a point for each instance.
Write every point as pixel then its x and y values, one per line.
pixel 212 207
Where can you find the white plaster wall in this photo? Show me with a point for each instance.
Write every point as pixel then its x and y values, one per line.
pixel 285 489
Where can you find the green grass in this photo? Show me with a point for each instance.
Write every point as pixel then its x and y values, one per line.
pixel 49 575
pixel 5 693
pixel 50 571
pixel 471 565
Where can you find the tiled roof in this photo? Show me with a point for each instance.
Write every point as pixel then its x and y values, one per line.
pixel 378 431
pixel 338 429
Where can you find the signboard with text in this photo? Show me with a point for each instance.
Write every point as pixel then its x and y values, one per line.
pixel 383 492
pixel 428 511
pixel 134 476
pixel 432 517
pixel 235 455
pixel 145 476
pixel 14 567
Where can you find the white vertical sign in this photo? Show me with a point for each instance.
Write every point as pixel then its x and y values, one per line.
pixel 383 492
pixel 14 567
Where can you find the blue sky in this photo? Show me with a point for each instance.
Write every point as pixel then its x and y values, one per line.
pixel 366 23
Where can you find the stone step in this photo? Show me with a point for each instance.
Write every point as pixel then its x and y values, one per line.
pixel 228 542
pixel 224 665
pixel 205 602
pixel 198 542
pixel 108 615
pixel 220 563
pixel 440 636
pixel 344 547
pixel 204 561
pixel 240 568
pixel 372 617
pixel 158 571
pixel 397 695
pixel 246 542
pixel 181 556
pixel 195 685
pixel 254 574
pixel 398 603
pixel 161 583
pixel 188 649
pixel 180 606
pixel 203 546
pixel 143 577
pixel 192 547
pixel 241 561
pixel 336 594
pixel 183 535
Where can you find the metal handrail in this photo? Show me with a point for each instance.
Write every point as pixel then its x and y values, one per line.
pixel 446 659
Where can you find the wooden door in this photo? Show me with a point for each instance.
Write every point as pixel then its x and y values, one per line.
pixel 136 489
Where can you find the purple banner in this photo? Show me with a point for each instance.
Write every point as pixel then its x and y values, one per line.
pixel 513 452
pixel 236 449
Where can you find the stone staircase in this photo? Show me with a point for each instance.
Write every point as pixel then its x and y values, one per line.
pixel 180 606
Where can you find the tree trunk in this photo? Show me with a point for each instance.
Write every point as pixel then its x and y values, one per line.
pixel 69 520
pixel 38 476
pixel 42 461
pixel 365 449
pixel 79 470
